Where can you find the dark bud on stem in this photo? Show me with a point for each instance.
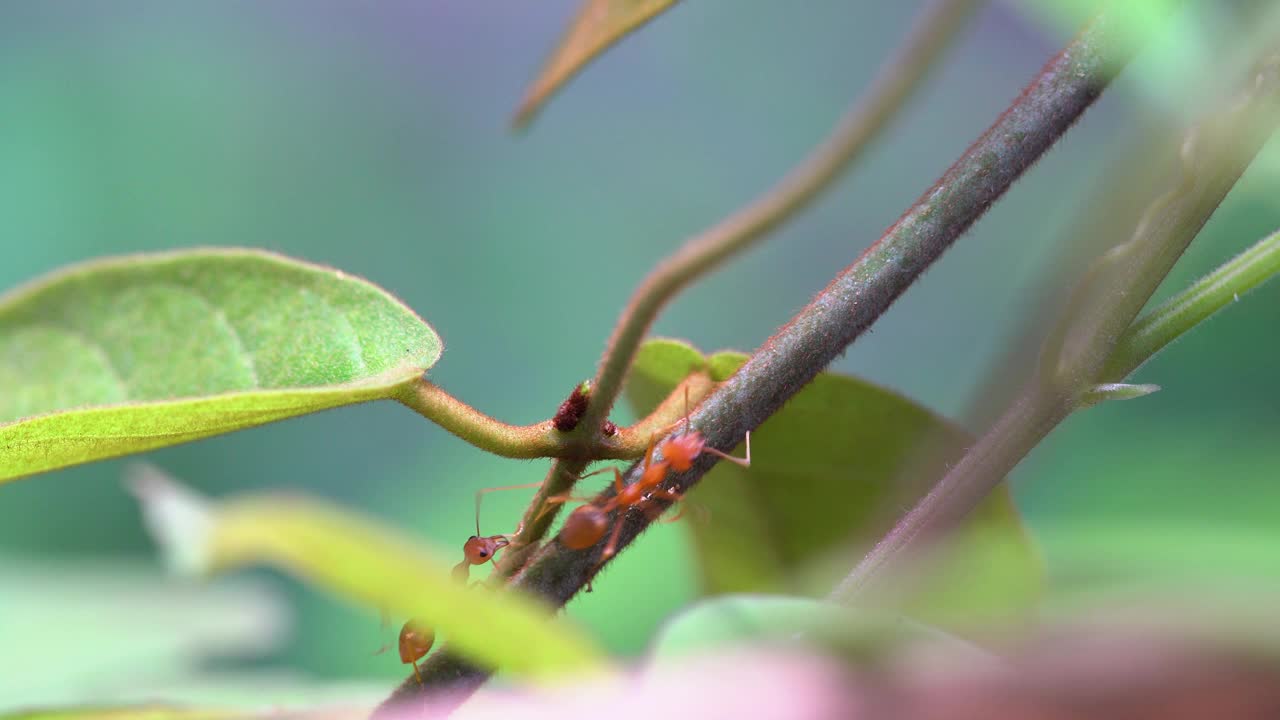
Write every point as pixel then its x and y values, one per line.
pixel 608 428
pixel 570 412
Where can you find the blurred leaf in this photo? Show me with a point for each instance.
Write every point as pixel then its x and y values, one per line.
pixel 738 620
pixel 152 711
pixel 599 24
pixel 109 627
pixel 136 712
pixel 1100 554
pixel 128 354
pixel 832 471
pixel 359 559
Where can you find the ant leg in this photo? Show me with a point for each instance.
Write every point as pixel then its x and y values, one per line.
pixel 743 461
pixel 610 547
pixel 483 491
pixel 654 512
pixel 560 500
pixel 384 619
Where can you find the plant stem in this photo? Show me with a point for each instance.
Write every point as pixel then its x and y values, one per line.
pixel 1176 316
pixel 929 36
pixel 862 122
pixel 1062 91
pixel 517 441
pixel 1214 156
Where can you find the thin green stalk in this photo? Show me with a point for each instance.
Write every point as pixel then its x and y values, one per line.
pixel 538 440
pixel 514 441
pixel 1176 316
pixel 897 78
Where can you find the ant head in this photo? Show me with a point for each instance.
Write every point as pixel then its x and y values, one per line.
pixel 683 450
pixel 479 550
pixel 584 527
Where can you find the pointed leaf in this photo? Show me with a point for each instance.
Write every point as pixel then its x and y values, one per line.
pixel 831 472
pixel 359 559
pixel 1115 391
pixel 599 24
pixel 133 353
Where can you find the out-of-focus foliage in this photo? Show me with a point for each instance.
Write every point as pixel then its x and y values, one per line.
pixel 113 629
pixel 365 562
pixel 830 473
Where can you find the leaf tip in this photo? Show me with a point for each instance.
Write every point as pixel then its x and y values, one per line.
pixel 1115 391
pixel 178 519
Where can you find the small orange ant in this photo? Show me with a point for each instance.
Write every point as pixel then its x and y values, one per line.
pixel 415 643
pixel 480 549
pixel 586 525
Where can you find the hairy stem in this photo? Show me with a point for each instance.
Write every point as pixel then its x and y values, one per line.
pixel 1214 156
pixel 1062 91
pixel 532 441
pixel 515 441
pixel 1176 316
pixel 861 123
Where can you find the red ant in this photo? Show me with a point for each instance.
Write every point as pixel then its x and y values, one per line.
pixel 478 549
pixel 586 525
pixel 415 642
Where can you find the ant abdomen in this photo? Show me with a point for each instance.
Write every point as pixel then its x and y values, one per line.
pixel 584 527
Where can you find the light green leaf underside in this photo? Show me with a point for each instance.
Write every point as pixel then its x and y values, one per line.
pixel 831 472
pixel 138 352
pixel 366 563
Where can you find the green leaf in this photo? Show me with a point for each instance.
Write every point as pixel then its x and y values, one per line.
pixel 598 24
pixel 831 472
pixel 129 354
pixel 360 560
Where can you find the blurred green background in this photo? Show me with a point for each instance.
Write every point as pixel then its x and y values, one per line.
pixel 373 137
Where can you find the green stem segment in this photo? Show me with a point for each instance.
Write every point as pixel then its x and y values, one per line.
pixel 515 441
pixel 1161 326
pixel 519 441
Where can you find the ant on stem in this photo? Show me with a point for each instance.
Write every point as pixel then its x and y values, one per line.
pixel 587 524
pixel 416 640
pixel 415 643
pixel 480 549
